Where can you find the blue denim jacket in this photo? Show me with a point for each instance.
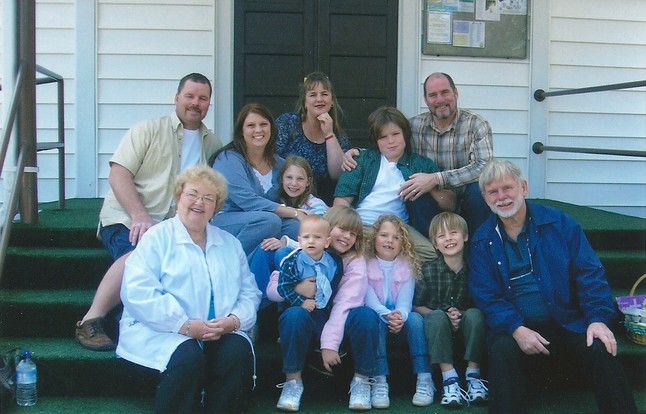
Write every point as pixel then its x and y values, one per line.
pixel 571 277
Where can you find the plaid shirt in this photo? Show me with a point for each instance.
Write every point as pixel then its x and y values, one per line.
pixel 290 275
pixel 460 152
pixel 359 182
pixel 441 288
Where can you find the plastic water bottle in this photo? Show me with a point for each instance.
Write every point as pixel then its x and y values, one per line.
pixel 26 392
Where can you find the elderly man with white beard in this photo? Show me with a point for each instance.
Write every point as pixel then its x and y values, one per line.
pixel 544 292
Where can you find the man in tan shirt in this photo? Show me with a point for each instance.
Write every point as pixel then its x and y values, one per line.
pixel 142 175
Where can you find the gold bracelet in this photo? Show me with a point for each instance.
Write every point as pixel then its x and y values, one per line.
pixel 188 328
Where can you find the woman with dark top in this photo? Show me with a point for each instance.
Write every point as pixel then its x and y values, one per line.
pixel 313 132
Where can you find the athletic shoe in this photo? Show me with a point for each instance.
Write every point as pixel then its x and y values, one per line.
pixel 290 397
pixel 476 389
pixel 360 394
pixel 453 395
pixel 424 393
pixel 379 395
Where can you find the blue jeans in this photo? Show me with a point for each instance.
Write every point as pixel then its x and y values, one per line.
pixel 262 263
pixel 300 331
pixel 252 227
pixel 115 238
pixel 413 332
pixel 473 207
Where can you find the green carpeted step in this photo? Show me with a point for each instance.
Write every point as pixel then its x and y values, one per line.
pixel 624 267
pixel 74 226
pixel 558 402
pixel 46 313
pixel 54 267
pixel 605 229
pixel 66 369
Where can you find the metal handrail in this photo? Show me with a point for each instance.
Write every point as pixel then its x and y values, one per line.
pixel 13 110
pixel 539 147
pixel 60 144
pixel 12 206
pixel 540 94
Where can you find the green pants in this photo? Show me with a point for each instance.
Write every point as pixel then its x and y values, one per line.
pixel 440 336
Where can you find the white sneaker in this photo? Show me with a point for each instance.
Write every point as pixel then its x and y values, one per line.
pixel 360 394
pixel 379 395
pixel 453 395
pixel 476 389
pixel 424 393
pixel 290 397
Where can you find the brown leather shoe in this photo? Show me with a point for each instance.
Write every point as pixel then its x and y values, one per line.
pixel 92 336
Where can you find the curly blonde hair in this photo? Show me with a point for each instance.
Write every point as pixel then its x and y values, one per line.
pixel 408 247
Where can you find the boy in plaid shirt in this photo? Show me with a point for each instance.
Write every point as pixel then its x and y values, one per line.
pixel 443 298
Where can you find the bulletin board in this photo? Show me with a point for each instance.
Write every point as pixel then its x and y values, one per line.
pixel 477 28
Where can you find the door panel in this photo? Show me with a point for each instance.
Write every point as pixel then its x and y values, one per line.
pixel 354 42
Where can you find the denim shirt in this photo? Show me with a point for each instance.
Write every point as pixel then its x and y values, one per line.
pixel 569 273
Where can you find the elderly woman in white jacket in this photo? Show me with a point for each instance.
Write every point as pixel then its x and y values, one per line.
pixel 188 298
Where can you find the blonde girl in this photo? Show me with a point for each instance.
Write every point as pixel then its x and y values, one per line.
pixel 393 268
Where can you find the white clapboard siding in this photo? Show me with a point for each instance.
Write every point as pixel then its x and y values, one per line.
pixel 55 34
pixel 143 49
pixel 593 45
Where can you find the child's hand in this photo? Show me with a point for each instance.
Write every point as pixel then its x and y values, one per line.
pixel 330 358
pixel 272 243
pixel 306 287
pixel 395 321
pixel 455 316
pixel 309 305
pixel 394 316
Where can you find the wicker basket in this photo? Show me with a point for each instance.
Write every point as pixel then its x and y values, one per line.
pixel 634 313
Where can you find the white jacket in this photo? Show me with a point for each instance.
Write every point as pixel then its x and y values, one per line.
pixel 169 279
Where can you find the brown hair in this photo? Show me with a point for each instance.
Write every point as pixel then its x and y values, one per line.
pixel 310 82
pixel 296 202
pixel 238 143
pixel 386 115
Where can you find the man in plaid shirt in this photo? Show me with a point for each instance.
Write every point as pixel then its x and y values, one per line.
pixel 459 141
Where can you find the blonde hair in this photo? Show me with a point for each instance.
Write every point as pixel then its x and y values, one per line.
pixel 408 248
pixel 205 174
pixel 347 218
pixel 449 220
pixel 315 219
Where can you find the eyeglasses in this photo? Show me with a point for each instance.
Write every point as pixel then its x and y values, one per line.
pixel 207 199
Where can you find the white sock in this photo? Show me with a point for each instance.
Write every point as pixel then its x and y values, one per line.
pixel 452 373
pixel 424 376
pixel 381 379
pixel 472 371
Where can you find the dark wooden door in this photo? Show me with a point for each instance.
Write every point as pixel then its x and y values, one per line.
pixel 278 42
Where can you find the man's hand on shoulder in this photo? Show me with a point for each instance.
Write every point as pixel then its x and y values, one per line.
pixel 138 226
pixel 349 163
pixel 530 342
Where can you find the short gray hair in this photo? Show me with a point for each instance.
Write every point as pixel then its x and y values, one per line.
pixel 496 170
